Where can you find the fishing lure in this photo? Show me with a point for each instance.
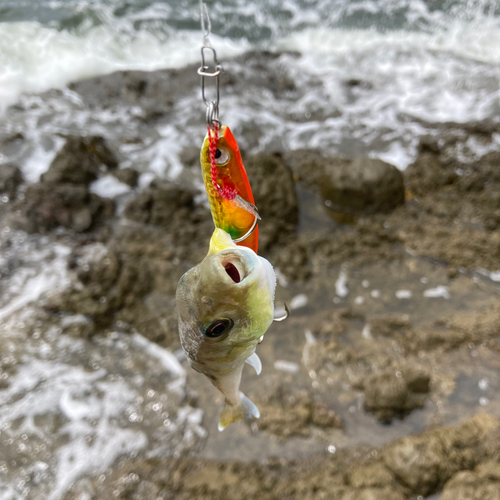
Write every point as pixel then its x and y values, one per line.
pixel 226 182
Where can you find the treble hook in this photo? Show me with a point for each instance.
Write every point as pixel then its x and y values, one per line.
pixel 278 319
pixel 282 318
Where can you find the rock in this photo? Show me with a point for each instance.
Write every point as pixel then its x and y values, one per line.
pixel 292 259
pixel 130 281
pixel 428 174
pixel 364 186
pixel 47 206
pixel 171 209
pixel 374 494
pixel 127 175
pixel 389 325
pixel 322 416
pixel 308 166
pixel 418 380
pixel 369 476
pixel 10 179
pixel 80 160
pixel 160 204
pixel 387 395
pixel 275 197
pixel 483 483
pixel 286 411
pixel 110 283
pixel 424 463
pixel 190 157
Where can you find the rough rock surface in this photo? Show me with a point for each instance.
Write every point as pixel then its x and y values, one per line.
pixel 482 483
pixel 287 410
pixel 412 466
pixel 363 185
pixel 80 161
pixel 62 196
pixel 47 206
pixel 388 394
pixel 424 463
pixel 10 179
pixel 275 197
pixel 127 175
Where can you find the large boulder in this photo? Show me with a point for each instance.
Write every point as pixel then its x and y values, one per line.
pixel 364 185
pixel 47 206
pixel 62 196
pixel 80 161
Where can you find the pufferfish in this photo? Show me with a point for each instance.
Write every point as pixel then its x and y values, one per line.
pixel 225 305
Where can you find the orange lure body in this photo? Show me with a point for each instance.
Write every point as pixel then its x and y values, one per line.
pixel 232 193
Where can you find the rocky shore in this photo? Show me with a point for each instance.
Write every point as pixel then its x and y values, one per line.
pixel 382 385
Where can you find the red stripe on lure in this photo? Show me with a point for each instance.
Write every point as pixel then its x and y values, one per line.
pixel 226 182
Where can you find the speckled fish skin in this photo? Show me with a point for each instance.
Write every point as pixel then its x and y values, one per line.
pixel 233 289
pixel 231 172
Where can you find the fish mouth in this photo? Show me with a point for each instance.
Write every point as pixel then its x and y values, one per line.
pixel 235 266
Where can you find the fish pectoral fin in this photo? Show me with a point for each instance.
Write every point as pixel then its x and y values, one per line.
pixel 254 361
pixel 232 413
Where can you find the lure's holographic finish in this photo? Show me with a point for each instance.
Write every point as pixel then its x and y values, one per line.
pixel 231 199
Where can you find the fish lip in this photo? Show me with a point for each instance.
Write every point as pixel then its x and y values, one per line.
pixel 235 267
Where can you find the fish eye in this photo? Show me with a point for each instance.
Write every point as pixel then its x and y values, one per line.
pixel 219 327
pixel 221 156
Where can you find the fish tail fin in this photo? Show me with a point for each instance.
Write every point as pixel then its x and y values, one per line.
pixel 232 413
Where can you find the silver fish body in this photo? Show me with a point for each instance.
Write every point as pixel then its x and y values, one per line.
pixel 225 304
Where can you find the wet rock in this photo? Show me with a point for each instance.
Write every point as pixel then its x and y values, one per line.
pixel 374 475
pixel 335 323
pixel 428 174
pixel 10 179
pixel 127 175
pixel 483 483
pixel 417 380
pixel 155 91
pixel 390 325
pixel 110 283
pixel 275 197
pixel 364 185
pixel 80 161
pixel 309 166
pixel 78 326
pixel 387 395
pixel 286 411
pixel 130 282
pixel 161 204
pixel 424 463
pixel 190 157
pixel 48 206
pixel 292 259
pixel 172 208
pixel 374 494
pixel 406 468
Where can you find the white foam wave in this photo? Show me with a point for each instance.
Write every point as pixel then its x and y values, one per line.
pixel 36 57
pixel 471 40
